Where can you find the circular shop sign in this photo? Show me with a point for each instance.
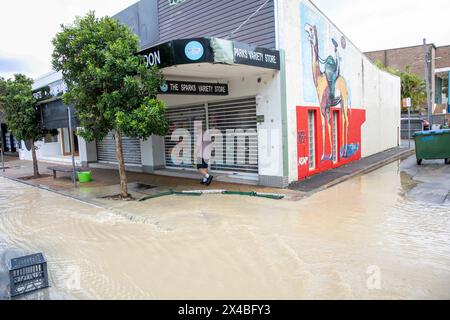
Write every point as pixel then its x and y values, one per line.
pixel 164 87
pixel 194 50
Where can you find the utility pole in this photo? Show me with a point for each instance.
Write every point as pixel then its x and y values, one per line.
pixel 2 149
pixel 72 148
pixel 427 80
pixel 409 127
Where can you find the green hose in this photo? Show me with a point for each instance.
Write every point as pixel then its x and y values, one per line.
pixel 194 194
pixel 159 195
pixel 240 193
pixel 199 193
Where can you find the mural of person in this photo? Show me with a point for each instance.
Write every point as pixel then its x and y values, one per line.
pixel 331 89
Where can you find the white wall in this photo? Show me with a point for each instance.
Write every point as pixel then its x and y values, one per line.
pixel 47 79
pixel 370 88
pixel 152 153
pixel 88 151
pixel 382 96
pixel 43 149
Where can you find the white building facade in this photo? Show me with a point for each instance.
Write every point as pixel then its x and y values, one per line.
pixel 284 94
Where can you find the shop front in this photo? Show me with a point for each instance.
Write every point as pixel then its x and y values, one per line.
pixel 228 89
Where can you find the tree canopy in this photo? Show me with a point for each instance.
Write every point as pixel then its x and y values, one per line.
pixel 19 107
pixel 2 92
pixel 21 112
pixel 107 82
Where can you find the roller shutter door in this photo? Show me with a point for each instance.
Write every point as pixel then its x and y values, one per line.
pixel 235 119
pixel 183 118
pixel 106 150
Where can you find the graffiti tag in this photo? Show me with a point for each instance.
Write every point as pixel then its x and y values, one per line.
pixel 302 137
pixel 303 161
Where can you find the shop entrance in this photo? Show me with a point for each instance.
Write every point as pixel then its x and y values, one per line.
pixel 233 127
pixel 67 143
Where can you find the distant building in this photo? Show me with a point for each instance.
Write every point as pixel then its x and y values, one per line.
pixel 414 56
pixel 7 141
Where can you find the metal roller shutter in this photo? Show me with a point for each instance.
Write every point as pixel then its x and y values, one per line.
pixel 106 150
pixel 183 118
pixel 235 119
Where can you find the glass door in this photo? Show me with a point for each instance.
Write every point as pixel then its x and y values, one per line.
pixel 67 143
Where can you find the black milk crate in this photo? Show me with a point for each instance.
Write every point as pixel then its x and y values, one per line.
pixel 28 274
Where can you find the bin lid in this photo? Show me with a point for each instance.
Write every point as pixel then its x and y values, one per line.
pixel 27 261
pixel 432 132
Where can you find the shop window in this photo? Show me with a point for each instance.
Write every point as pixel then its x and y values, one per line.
pixel 335 136
pixel 312 139
pixel 51 136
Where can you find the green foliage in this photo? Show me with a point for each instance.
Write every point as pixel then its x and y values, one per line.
pixel 2 92
pixel 108 84
pixel 413 86
pixel 19 107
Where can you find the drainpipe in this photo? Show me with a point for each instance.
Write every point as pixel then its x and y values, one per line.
pixel 72 148
pixel 427 79
pixel 448 93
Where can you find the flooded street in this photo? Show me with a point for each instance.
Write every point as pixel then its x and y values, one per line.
pixel 371 237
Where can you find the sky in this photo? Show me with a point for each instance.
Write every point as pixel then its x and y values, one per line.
pixel 27 26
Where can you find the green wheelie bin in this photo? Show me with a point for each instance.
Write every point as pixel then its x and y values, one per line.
pixel 432 145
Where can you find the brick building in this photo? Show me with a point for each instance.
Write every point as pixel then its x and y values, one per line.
pixel 414 56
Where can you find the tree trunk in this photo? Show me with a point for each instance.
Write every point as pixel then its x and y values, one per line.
pixel 35 163
pixel 123 176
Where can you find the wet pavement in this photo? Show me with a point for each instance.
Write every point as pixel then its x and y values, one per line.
pixel 106 182
pixel 383 235
pixel 329 178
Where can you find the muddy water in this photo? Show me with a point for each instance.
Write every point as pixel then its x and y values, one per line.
pixel 362 239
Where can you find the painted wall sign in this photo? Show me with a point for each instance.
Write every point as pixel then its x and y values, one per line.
pixel 194 88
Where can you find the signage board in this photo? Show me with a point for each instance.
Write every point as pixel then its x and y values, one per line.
pixel 407 102
pixel 256 56
pixel 194 88
pixel 52 90
pixel 209 50
pixel 178 52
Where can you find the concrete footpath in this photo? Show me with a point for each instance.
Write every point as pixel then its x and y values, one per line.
pixel 335 176
pixel 106 181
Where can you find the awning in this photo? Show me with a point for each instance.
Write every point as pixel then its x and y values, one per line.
pixel 54 115
pixel 210 50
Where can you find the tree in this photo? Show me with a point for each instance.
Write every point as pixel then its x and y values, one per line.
pixel 413 86
pixel 2 92
pixel 21 112
pixel 109 85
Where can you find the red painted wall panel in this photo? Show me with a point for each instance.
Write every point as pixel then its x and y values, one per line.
pixel 345 155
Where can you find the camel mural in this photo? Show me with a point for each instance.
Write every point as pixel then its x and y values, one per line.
pixel 331 90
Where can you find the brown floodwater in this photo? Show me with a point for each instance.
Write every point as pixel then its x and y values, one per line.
pixel 363 239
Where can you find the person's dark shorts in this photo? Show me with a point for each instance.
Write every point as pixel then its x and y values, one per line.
pixel 203 165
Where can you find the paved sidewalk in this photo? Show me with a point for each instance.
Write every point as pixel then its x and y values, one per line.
pixel 106 181
pixel 332 177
